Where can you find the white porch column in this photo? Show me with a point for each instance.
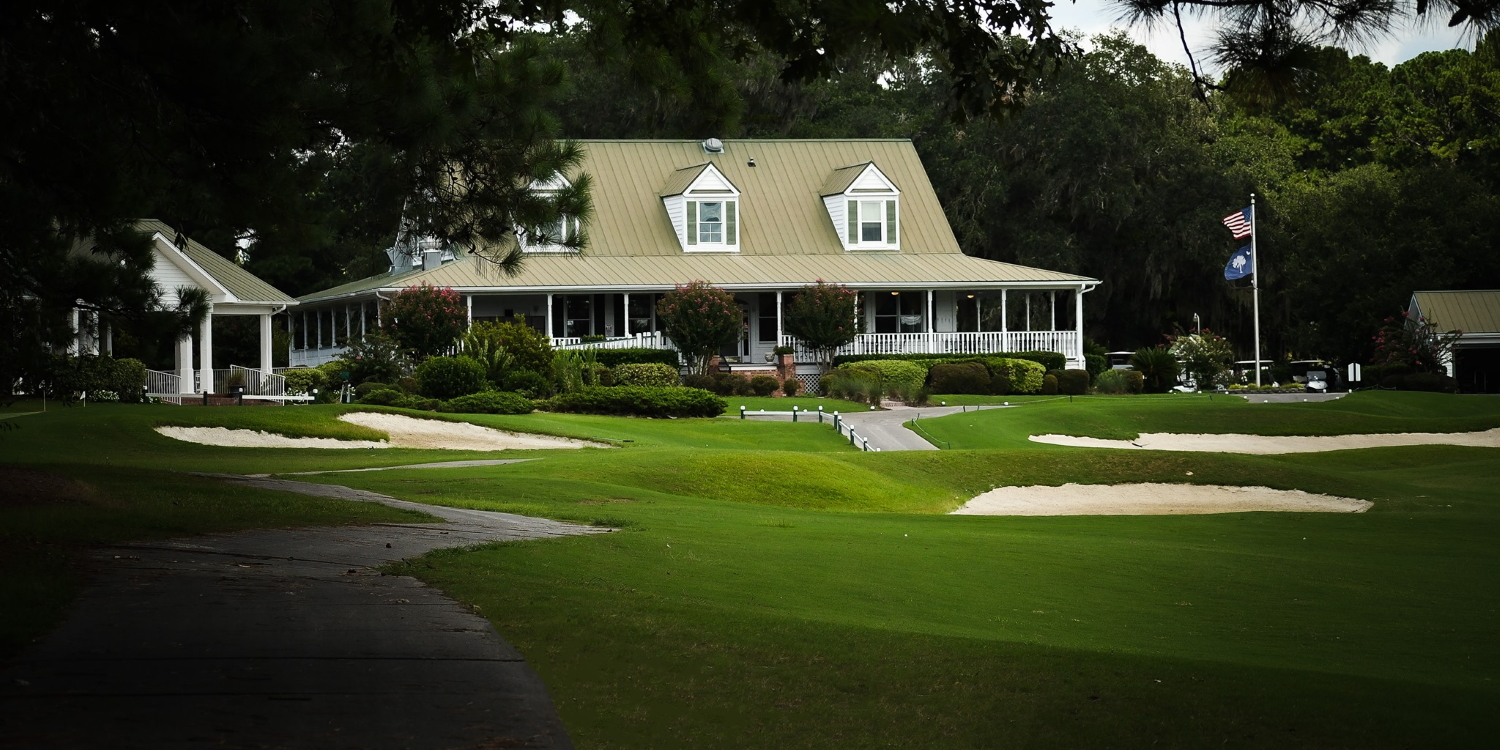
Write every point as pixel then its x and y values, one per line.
pixel 469 301
pixel 780 327
pixel 206 352
pixel 1078 322
pixel 1028 311
pixel 348 323
pixel 1004 314
pixel 625 325
pixel 978 312
pixel 318 316
pixel 185 363
pixel 930 311
pixel 265 344
pixel 550 329
pixel 73 320
pixel 109 339
pixel 364 324
pixel 1052 308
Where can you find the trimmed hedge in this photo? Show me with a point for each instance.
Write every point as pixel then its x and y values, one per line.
pixel 649 374
pixel 1421 381
pixel 637 356
pixel 1011 375
pixel 960 377
pixel 1117 382
pixel 1048 360
pixel 764 385
pixel 639 401
pixel 301 381
pixel 1072 382
pixel 393 397
pixel 1049 385
pixel 791 386
pixel 1095 364
pixel 488 402
pixel 899 378
pixel 451 377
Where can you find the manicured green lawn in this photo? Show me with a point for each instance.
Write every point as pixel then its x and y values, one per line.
pixel 805 403
pixel 1119 417
pixel 769 588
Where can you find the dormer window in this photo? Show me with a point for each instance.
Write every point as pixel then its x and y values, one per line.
pixel 704 208
pixel 555 236
pixel 865 208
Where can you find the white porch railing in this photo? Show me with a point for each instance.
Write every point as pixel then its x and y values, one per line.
pixel 985 342
pixel 164 385
pixel 258 383
pixel 639 340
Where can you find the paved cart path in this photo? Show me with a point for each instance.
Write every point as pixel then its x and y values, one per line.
pixel 283 638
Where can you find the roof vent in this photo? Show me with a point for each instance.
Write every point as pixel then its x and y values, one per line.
pixel 713 146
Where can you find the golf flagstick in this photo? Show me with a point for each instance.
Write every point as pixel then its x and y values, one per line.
pixel 1255 282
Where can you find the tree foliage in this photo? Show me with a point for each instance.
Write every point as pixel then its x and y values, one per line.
pixel 823 317
pixel 700 319
pixel 425 320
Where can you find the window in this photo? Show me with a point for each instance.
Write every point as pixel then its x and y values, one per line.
pixel 900 312
pixel 551 236
pixel 642 313
pixel 712 223
pixel 577 318
pixel 766 317
pixel 871 221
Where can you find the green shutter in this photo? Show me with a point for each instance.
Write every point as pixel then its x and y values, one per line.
pixel 853 222
pixel 692 228
pixel 729 207
pixel 890 222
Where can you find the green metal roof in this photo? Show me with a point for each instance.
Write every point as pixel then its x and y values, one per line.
pixel 841 179
pixel 1473 312
pixel 245 286
pixel 786 236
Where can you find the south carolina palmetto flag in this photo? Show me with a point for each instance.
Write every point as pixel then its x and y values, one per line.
pixel 1239 223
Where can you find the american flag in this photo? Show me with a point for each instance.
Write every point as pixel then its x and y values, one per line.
pixel 1239 223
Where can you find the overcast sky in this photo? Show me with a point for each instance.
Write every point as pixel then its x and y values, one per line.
pixel 1097 16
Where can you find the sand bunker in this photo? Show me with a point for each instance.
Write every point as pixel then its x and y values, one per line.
pixel 405 432
pixel 1151 500
pixel 1234 443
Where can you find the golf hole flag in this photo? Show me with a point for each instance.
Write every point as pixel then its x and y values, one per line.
pixel 1239 223
pixel 1240 265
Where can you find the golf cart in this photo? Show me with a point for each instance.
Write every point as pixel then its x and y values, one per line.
pixel 1119 360
pixel 1244 371
pixel 1316 376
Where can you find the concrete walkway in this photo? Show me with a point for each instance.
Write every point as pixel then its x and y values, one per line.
pixel 886 429
pixel 283 639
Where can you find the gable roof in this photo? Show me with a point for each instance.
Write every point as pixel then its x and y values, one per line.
pixel 842 179
pixel 682 179
pixel 1473 312
pixel 245 286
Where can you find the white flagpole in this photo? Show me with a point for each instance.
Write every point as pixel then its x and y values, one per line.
pixel 1255 282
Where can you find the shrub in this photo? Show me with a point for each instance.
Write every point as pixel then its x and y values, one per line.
pixel 425 319
pixel 701 381
pixel 1203 355
pixel 1009 375
pixel 595 373
pixel 1157 366
pixel 365 389
pixel 640 401
pixel 1427 381
pixel 903 380
pixel 1073 382
pixel 524 347
pixel 823 318
pixel 764 385
pixel 392 397
pixel 740 386
pixel 527 383
pixel 302 380
pixel 1048 360
pixel 408 385
pixel 1095 364
pixel 1049 385
pixel 450 377
pixel 375 357
pixel 1119 382
pixel 638 356
pixel 853 383
pixel 651 375
pixel 128 379
pixel 488 402
pixel 700 319
pixel 791 386
pixel 966 377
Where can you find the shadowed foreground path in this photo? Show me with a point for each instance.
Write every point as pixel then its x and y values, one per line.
pixel 283 639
